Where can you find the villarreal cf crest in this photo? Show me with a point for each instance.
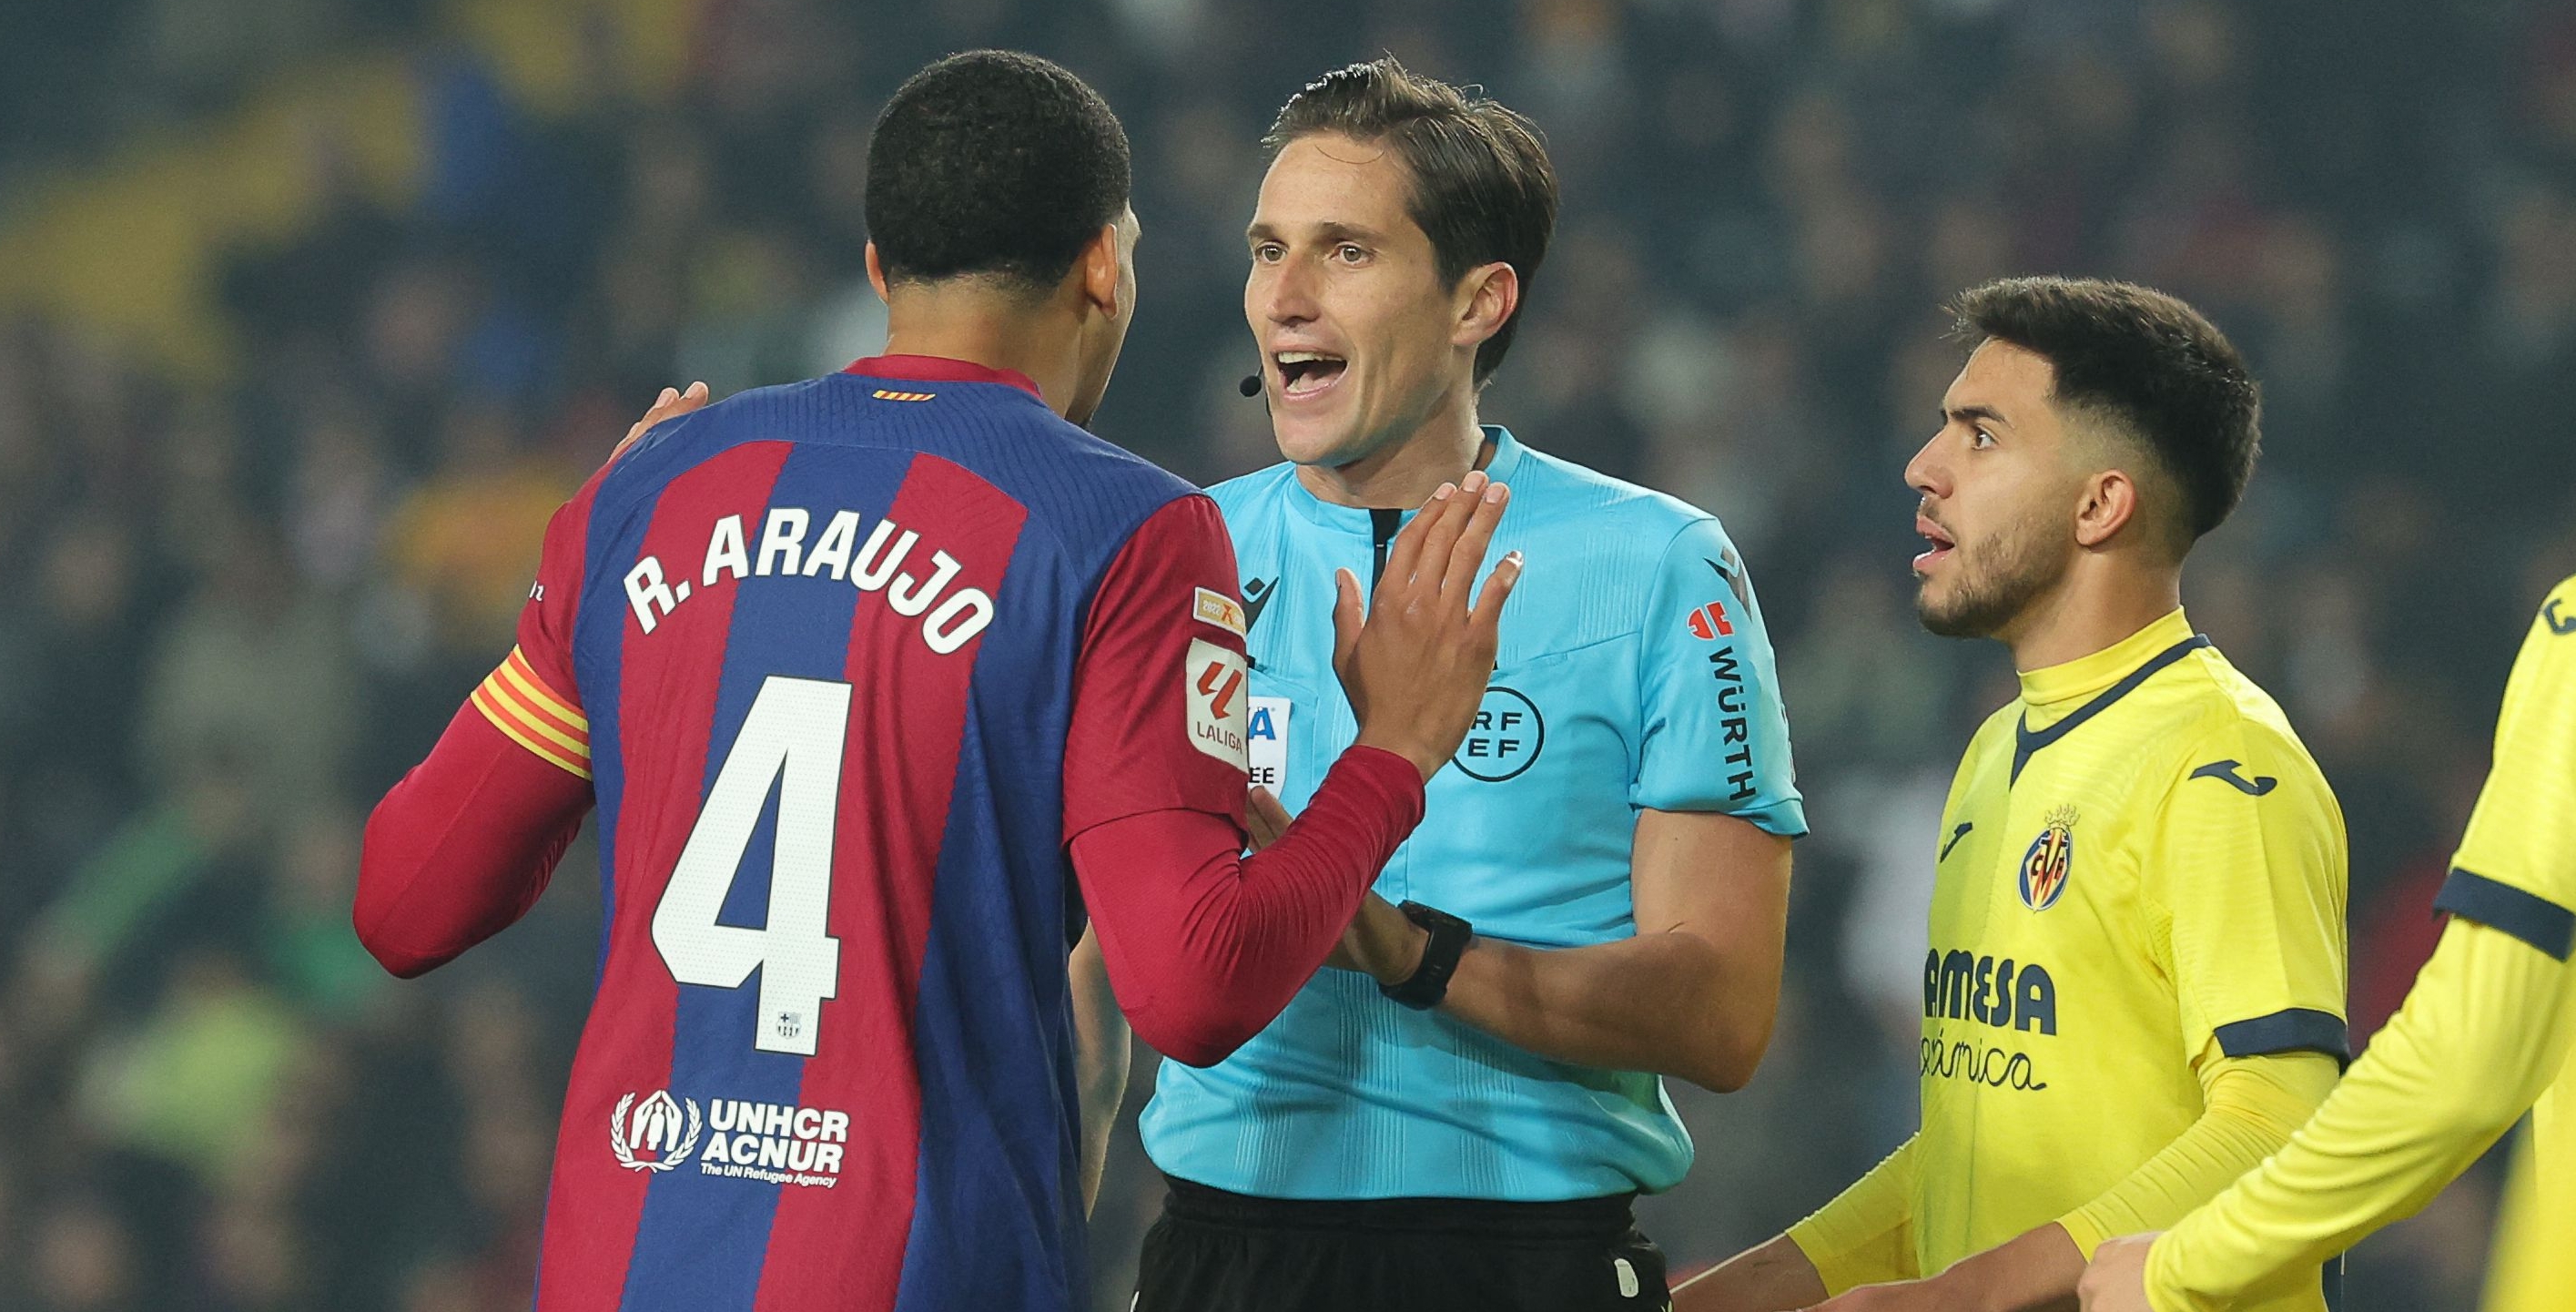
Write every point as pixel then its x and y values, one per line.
pixel 2051 858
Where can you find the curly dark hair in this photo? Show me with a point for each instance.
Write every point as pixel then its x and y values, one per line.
pixel 1483 189
pixel 2144 362
pixel 995 164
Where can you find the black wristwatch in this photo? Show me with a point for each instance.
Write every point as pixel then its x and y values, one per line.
pixel 1429 982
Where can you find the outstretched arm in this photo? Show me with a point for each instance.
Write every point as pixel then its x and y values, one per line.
pixel 1205 945
pixel 1712 907
pixel 2488 1024
pixel 1717 804
pixel 1865 1234
pixel 2250 1106
pixel 2401 1126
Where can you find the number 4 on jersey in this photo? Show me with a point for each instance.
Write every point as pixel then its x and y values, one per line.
pixel 792 739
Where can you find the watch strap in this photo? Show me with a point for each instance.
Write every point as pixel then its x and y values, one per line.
pixel 1429 983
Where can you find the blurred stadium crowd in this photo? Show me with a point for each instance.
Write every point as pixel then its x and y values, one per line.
pixel 312 311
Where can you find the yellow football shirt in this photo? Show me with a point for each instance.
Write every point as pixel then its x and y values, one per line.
pixel 2516 872
pixel 2487 1028
pixel 2139 867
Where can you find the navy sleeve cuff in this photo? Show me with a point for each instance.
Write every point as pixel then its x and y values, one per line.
pixel 2293 1029
pixel 2500 906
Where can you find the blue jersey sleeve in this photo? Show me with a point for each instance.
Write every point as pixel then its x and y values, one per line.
pixel 1714 736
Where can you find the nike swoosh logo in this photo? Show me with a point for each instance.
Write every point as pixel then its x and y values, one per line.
pixel 2225 772
pixel 1955 836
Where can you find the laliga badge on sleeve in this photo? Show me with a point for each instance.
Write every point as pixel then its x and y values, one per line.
pixel 1269 736
pixel 1219 701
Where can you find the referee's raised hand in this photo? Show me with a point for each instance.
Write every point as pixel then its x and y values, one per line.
pixel 1415 664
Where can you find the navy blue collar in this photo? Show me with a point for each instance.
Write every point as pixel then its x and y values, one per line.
pixel 2025 741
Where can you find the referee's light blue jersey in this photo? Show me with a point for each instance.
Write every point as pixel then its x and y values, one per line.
pixel 1634 672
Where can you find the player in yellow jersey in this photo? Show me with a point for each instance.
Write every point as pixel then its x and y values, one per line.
pixel 2484 1032
pixel 2135 987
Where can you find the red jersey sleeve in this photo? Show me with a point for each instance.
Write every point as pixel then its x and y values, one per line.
pixel 460 849
pixel 463 845
pixel 1204 945
pixel 1161 700
pixel 531 697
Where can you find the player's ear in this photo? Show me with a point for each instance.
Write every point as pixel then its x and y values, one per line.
pixel 1099 269
pixel 1487 295
pixel 2110 504
pixel 876 272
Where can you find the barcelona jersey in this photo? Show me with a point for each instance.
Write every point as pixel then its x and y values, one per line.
pixel 821 652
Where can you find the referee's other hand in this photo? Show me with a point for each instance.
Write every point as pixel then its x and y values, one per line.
pixel 1415 662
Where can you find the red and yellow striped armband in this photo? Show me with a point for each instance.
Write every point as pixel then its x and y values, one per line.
pixel 519 704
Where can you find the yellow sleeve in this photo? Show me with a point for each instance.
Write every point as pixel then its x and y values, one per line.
pixel 1866 1234
pixel 2247 899
pixel 2535 1267
pixel 2447 1076
pixel 2250 1107
pixel 2516 867
pixel 2486 1027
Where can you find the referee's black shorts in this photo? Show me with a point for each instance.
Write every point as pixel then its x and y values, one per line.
pixel 1214 1251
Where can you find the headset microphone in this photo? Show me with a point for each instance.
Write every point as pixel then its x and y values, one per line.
pixel 1250 386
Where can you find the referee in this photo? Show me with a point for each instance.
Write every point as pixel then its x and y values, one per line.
pixel 1462 1117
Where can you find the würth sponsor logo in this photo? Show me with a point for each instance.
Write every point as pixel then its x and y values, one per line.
pixel 1709 623
pixel 1734 725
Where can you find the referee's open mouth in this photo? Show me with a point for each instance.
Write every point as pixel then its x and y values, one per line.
pixel 1308 373
pixel 1942 544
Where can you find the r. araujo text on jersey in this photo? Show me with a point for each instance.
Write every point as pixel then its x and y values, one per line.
pixel 948 618
pixel 1634 672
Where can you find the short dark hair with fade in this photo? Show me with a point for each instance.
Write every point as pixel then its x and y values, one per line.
pixel 1483 189
pixel 2146 363
pixel 996 164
